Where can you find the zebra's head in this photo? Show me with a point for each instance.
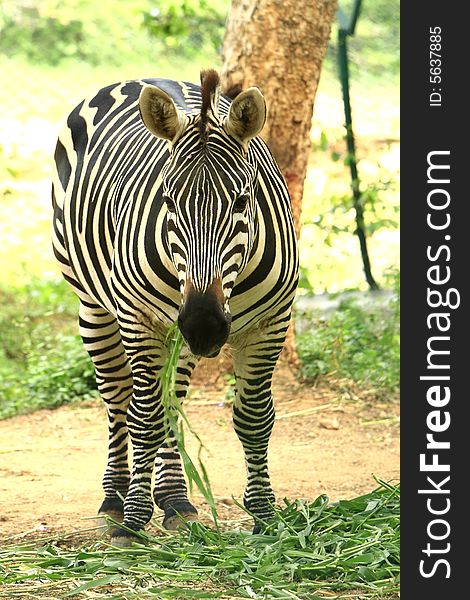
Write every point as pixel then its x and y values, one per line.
pixel 209 187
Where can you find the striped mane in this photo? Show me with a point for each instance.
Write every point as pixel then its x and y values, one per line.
pixel 210 92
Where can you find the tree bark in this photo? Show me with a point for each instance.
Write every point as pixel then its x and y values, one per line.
pixel 279 46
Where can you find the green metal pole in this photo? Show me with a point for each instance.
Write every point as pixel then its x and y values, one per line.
pixel 357 197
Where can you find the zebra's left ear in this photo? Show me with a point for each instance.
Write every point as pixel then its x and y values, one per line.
pixel 247 116
pixel 160 114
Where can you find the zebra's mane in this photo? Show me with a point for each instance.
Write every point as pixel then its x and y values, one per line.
pixel 210 83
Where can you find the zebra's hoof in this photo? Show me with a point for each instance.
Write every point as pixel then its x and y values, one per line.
pixel 178 514
pixel 120 541
pixel 111 507
pixel 116 515
pixel 178 521
pixel 123 539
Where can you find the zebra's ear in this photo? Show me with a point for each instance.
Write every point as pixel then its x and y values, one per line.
pixel 160 114
pixel 247 115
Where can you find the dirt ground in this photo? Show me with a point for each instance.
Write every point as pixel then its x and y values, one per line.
pixel 326 440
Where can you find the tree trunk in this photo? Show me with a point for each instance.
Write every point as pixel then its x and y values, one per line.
pixel 279 46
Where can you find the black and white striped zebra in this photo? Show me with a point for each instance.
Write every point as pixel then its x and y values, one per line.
pixel 168 207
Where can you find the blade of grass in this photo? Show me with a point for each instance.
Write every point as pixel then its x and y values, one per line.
pixel 176 419
pixel 91 584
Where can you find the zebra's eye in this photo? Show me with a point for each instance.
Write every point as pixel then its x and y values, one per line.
pixel 240 203
pixel 169 204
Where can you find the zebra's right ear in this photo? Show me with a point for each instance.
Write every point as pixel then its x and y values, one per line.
pixel 160 114
pixel 247 115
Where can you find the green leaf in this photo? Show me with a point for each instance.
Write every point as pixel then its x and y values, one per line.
pixel 94 583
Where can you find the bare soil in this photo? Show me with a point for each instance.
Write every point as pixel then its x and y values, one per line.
pixel 327 440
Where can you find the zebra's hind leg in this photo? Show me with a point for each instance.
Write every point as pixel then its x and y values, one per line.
pixel 170 491
pixel 253 412
pixel 101 337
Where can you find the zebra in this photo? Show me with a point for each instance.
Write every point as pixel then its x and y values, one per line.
pixel 167 206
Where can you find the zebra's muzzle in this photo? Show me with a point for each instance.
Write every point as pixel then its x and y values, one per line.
pixel 203 323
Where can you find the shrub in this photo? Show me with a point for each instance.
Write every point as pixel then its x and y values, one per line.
pixel 187 27
pixel 42 361
pixel 49 31
pixel 358 343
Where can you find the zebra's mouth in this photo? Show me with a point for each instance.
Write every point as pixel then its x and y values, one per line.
pixel 203 353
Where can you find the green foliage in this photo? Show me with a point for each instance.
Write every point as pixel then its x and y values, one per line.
pixel 329 245
pixel 42 363
pixel 374 200
pixel 375 47
pixel 310 550
pixel 7 172
pixel 376 212
pixel 40 38
pixel 48 31
pixel 59 371
pixel 29 311
pixel 188 26
pixel 361 344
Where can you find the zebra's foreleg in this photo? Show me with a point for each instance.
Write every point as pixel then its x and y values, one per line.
pixel 145 346
pixel 171 493
pixel 253 413
pixel 100 334
pixel 146 424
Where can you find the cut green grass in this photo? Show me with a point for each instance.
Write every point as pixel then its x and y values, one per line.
pixel 310 550
pixel 177 420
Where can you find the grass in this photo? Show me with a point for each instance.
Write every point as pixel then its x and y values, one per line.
pixel 310 550
pixel 177 420
pixel 359 343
